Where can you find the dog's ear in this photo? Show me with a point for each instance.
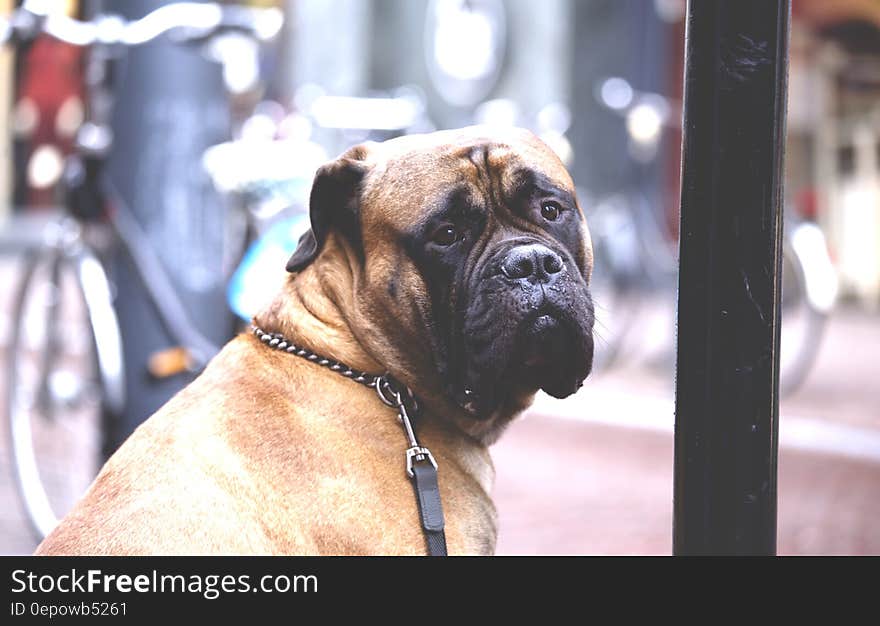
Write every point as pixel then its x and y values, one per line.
pixel 333 204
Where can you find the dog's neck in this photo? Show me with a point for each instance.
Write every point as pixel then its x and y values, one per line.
pixel 308 311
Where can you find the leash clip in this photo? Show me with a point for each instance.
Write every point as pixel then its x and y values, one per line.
pixel 393 393
pixel 420 454
pixel 390 393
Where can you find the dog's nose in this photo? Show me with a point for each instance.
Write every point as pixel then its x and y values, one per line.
pixel 532 262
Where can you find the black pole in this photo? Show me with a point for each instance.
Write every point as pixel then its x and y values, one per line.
pixel 729 284
pixel 170 106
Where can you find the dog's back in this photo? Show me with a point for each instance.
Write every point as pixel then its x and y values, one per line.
pixel 175 485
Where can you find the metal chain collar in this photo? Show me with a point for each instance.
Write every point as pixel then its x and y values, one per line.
pixel 390 391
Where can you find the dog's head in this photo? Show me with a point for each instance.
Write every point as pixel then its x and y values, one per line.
pixel 472 262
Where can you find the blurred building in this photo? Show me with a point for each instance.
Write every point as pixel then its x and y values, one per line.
pixel 834 134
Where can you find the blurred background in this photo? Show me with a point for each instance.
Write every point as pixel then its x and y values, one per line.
pixel 155 163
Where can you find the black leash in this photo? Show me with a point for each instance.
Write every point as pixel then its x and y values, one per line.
pixel 420 464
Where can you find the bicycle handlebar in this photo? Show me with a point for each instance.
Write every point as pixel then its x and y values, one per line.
pixel 193 20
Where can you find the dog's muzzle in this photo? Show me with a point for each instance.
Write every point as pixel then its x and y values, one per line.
pixel 528 326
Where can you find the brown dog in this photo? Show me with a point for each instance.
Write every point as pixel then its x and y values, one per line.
pixel 457 261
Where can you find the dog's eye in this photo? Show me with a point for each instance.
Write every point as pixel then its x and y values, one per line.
pixel 446 235
pixel 550 211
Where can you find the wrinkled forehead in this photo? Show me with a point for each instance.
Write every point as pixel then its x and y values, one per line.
pixel 418 171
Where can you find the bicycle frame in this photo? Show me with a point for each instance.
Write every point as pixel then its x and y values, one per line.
pixel 89 193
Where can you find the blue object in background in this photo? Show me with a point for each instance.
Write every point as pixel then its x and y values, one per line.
pixel 256 278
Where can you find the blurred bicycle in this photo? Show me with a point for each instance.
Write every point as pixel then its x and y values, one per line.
pixel 64 366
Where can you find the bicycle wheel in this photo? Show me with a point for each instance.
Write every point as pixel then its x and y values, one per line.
pixel 54 407
pixel 802 325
